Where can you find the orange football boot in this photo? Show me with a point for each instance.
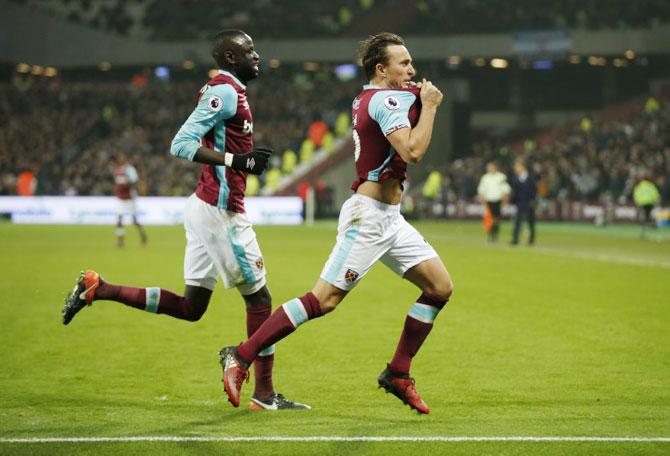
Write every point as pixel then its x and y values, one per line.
pixel 82 294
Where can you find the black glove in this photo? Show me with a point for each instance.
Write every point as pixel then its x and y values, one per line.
pixel 254 162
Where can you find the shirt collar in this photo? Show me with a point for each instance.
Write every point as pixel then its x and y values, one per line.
pixel 371 86
pixel 231 75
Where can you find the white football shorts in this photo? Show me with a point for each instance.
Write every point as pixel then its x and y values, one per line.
pixel 221 243
pixel 369 230
pixel 126 206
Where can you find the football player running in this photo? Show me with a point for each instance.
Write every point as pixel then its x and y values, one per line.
pixel 392 126
pixel 220 240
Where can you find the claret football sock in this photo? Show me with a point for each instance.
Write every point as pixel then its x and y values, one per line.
pixel 151 299
pixel 263 364
pixel 418 324
pixel 281 323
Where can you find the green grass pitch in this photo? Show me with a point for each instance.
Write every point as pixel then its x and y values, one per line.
pixel 568 338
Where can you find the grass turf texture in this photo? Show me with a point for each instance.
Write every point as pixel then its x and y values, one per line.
pixel 567 338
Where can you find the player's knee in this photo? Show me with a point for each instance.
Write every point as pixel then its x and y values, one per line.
pixel 194 304
pixel 441 290
pixel 328 306
pixel 262 298
pixel 327 295
pixel 329 300
pixel 329 303
pixel 194 313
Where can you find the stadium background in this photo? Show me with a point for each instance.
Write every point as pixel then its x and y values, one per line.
pixel 581 89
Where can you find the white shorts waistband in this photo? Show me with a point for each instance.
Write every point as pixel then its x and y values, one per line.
pixel 378 204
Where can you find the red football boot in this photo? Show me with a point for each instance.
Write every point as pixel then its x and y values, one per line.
pixel 235 372
pixel 402 386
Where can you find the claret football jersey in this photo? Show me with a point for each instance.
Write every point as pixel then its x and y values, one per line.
pixel 124 177
pixel 221 121
pixel 376 113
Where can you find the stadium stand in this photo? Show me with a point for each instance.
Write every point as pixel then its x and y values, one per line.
pixel 596 160
pixel 69 136
pixel 76 127
pixel 496 16
pixel 80 123
pixel 175 20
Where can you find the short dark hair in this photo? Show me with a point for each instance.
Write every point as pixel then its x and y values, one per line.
pixel 222 40
pixel 373 50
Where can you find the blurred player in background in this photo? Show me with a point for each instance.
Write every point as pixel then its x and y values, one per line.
pixel 492 191
pixel 125 189
pixel 393 123
pixel 524 192
pixel 219 235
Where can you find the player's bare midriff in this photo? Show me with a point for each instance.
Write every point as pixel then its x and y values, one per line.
pixel 388 191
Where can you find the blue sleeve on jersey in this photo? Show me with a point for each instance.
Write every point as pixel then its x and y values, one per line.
pixel 390 109
pixel 217 104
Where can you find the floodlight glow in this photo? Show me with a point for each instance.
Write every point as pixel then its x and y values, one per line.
pixel 499 63
pixel 162 72
pixel 346 71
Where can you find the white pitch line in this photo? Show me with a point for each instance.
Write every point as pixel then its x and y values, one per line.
pixel 438 438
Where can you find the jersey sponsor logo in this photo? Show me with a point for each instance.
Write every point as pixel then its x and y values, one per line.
pixel 357 145
pixel 259 264
pixel 215 103
pixel 391 103
pixel 350 276
pixel 248 127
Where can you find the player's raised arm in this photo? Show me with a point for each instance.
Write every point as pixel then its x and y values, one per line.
pixel 412 143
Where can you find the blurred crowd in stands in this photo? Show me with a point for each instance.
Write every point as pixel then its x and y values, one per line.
pixel 598 160
pixel 180 20
pixel 499 16
pixel 64 135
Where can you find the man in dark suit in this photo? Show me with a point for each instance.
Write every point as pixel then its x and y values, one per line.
pixel 524 191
